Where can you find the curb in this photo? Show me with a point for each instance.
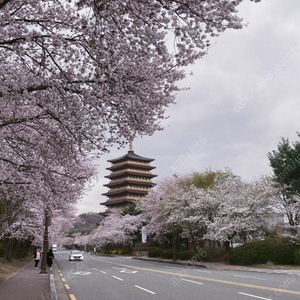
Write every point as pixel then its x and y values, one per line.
pixel 177 262
pixel 58 289
pixel 52 287
pixel 224 268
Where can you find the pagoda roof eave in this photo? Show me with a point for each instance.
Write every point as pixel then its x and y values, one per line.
pixel 125 191
pixel 147 175
pixel 110 203
pixel 132 155
pixel 129 181
pixel 114 168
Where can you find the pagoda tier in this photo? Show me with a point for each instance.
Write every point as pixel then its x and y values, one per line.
pixel 130 179
pixel 135 173
pixel 124 191
pixel 115 183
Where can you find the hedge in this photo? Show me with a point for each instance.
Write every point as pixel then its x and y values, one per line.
pixel 280 251
pixel 185 255
pixel 155 253
pixel 168 254
pixel 297 257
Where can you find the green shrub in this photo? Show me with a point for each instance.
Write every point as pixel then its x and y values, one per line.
pixel 182 247
pixel 283 252
pixel 168 254
pixel 280 251
pixel 212 254
pixel 155 253
pixel 297 256
pixel 144 248
pixel 185 255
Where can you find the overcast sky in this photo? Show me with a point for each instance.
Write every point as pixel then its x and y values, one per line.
pixel 243 97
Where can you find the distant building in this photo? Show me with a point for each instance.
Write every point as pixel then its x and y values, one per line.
pixel 130 179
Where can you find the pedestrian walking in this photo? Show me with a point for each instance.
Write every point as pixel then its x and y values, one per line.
pixel 37 258
pixel 50 257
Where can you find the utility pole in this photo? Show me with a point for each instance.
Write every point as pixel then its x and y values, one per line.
pixel 45 244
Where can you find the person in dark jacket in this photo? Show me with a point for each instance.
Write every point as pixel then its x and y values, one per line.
pixel 50 257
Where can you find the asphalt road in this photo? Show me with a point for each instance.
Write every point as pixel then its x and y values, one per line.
pixel 111 278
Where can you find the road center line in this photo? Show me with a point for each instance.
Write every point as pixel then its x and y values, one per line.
pixel 253 296
pixel 253 286
pixel 258 278
pixel 72 297
pixel 145 290
pixel 201 271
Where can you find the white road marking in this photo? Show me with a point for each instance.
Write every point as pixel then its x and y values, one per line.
pixel 192 281
pixel 103 272
pixel 145 290
pixel 94 269
pixel 83 273
pixel 125 270
pixel 128 271
pixel 258 278
pixel 118 278
pixel 253 296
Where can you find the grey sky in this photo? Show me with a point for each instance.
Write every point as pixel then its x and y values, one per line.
pixel 243 97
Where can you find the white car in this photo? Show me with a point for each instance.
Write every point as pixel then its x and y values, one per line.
pixel 75 255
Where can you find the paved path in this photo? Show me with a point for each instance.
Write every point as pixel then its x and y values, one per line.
pixel 27 284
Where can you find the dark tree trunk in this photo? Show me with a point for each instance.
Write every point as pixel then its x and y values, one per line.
pixel 193 240
pixel 174 243
pixel 227 246
pixel 8 250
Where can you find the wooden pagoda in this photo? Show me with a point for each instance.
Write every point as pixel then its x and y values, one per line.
pixel 130 179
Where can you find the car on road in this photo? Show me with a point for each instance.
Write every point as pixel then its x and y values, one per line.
pixel 75 255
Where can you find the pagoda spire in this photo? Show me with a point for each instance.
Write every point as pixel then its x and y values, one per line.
pixel 131 146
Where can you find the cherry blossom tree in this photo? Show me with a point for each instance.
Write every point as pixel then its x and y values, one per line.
pixel 62 220
pixel 79 76
pixel 224 209
pixel 165 210
pixel 19 217
pixel 68 241
pixel 24 206
pixel 115 229
pixel 81 241
pixel 101 72
pixel 83 75
pixel 243 210
pixel 200 189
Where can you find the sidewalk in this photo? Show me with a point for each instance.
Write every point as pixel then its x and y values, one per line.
pixel 27 284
